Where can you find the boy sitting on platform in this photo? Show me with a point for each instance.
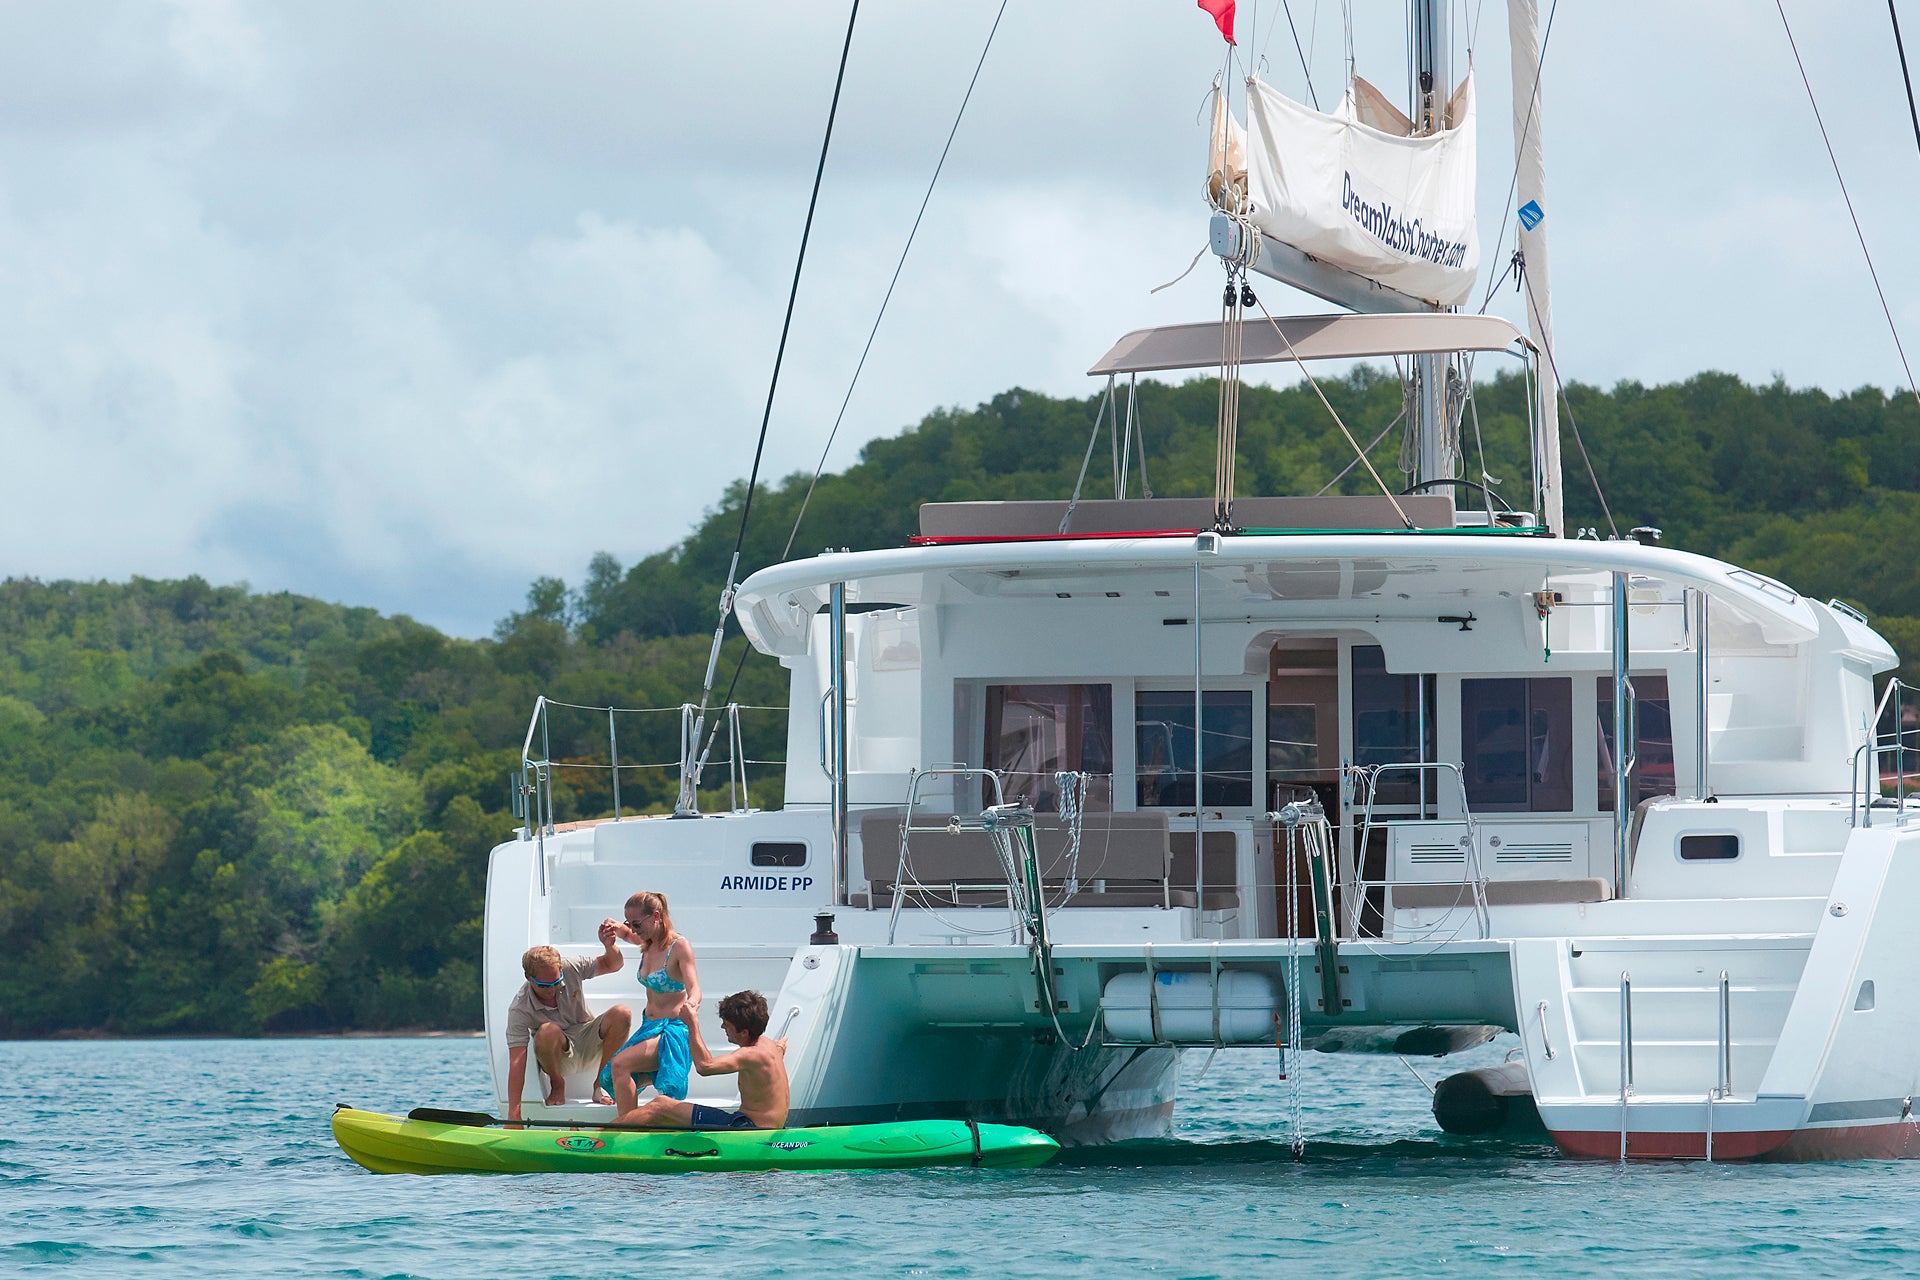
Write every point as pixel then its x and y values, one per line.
pixel 759 1060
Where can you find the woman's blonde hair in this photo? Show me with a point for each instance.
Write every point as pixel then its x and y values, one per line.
pixel 647 900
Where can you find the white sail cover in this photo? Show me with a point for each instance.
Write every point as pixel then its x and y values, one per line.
pixel 1394 209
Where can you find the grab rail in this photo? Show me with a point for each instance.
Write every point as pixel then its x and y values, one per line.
pixel 826 756
pixel 1724 1088
pixel 1626 1054
pixel 1863 787
pixel 1727 1039
pixel 1626 1034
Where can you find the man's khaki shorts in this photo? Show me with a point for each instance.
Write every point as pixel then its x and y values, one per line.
pixel 583 1047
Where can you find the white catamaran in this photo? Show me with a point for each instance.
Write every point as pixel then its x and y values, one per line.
pixel 1074 785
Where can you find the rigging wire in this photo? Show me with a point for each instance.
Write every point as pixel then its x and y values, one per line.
pixel 690 776
pixel 897 267
pixel 1371 446
pixel 1305 70
pixel 1337 421
pixel 793 293
pixel 1858 233
pixel 1904 75
pixel 1346 23
pixel 820 467
pixel 1290 1050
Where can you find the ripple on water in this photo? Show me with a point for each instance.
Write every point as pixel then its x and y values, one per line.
pixel 49 1251
pixel 237 1180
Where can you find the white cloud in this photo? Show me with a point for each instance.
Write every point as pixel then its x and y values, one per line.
pixel 404 305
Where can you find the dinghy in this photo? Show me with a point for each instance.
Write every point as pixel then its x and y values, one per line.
pixel 430 1141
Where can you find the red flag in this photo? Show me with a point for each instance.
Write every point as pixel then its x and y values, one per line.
pixel 1222 11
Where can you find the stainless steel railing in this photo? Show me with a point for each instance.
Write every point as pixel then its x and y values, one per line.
pixel 533 799
pixel 1362 783
pixel 1866 785
pixel 904 870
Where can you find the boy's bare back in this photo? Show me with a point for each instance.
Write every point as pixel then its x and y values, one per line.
pixel 761 1064
pixel 763 1080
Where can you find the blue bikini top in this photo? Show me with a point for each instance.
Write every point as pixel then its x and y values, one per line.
pixel 658 979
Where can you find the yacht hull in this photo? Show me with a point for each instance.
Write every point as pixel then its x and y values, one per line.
pixel 1893 1140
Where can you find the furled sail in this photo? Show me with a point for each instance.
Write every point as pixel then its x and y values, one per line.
pixel 1355 190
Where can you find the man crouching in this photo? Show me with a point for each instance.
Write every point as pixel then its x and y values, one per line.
pixel 550 1010
pixel 759 1061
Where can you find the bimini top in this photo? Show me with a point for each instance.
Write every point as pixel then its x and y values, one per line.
pixel 1338 337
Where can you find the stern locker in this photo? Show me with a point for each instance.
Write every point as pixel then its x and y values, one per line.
pixel 1676 1012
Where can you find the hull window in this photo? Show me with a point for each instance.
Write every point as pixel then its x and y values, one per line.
pixel 771 853
pixel 1709 848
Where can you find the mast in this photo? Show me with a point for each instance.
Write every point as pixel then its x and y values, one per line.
pixel 1432 85
pixel 1523 35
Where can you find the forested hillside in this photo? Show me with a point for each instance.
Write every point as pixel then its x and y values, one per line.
pixel 222 811
pixel 1820 491
pixel 231 812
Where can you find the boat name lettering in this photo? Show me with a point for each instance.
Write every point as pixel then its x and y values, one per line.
pixel 774 884
pixel 1389 228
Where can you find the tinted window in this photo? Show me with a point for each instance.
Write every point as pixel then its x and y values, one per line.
pixel 1037 730
pixel 1389 712
pixel 1653 760
pixel 1163 745
pixel 1709 848
pixel 1517 737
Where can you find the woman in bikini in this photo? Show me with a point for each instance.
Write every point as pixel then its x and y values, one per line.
pixel 657 1052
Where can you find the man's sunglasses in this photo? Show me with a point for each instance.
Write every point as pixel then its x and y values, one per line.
pixel 556 982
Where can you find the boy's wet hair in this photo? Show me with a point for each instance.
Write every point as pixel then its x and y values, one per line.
pixel 746 1010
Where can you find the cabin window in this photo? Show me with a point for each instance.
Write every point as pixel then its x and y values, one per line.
pixel 1653 766
pixel 779 853
pixel 1037 730
pixel 1163 746
pixel 1517 740
pixel 1709 848
pixel 1392 724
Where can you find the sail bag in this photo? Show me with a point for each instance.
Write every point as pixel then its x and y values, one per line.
pixel 1345 189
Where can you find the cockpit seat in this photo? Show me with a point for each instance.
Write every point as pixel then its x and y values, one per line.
pixel 1501 893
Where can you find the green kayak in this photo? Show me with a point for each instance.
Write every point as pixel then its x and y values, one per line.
pixel 390 1144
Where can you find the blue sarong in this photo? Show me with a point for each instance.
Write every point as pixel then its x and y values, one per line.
pixel 676 1058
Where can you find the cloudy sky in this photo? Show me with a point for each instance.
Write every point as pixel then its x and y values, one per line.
pixel 404 304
